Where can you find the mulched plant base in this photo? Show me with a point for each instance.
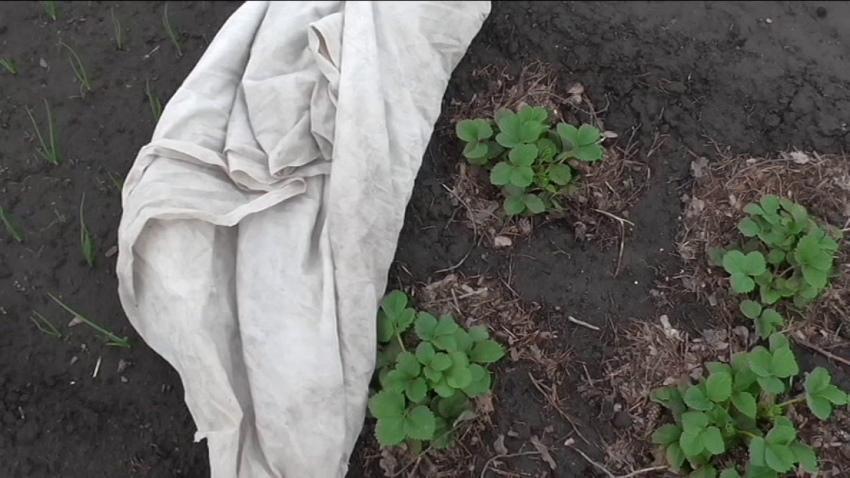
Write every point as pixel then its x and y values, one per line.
pixel 581 299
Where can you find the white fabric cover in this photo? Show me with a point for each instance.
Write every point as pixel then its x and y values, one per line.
pixel 261 220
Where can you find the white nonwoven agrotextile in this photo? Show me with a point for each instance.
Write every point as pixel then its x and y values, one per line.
pixel 261 220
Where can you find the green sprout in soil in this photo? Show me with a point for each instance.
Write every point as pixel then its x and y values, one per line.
pixel 166 23
pixel 747 403
pixel 48 149
pixel 43 324
pixel 789 256
pixel 119 31
pixel 528 159
pixel 11 226
pixel 116 181
pixel 86 241
pixel 50 9
pixel 79 69
pixel 111 339
pixel 9 65
pixel 428 377
pixel 153 101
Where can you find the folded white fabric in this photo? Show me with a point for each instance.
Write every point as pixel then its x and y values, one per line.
pixel 261 220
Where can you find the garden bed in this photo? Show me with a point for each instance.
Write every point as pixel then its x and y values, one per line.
pixel 577 301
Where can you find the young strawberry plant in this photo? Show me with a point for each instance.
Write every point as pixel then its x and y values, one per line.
pixel 789 256
pixel 429 370
pixel 744 405
pixel 530 161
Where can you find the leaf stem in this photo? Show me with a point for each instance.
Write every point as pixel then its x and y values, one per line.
pixel 747 434
pixel 398 337
pixel 792 401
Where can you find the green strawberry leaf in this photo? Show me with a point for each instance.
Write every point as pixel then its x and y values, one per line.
pixel 514 205
pixel 667 434
pixel 757 448
pixel 759 360
pixel 385 404
pixel 408 364
pixel 481 381
pixel 705 471
pixel 478 333
pixel 771 385
pixel 718 387
pixel 425 352
pixel 730 473
pixel 425 325
pixel 741 283
pixel 560 174
pixel 419 423
pixel 441 362
pixel 768 323
pixel 745 403
pixel 473 130
pixel 784 364
pixel 691 443
pixel 486 351
pixel 386 327
pixel 749 228
pixel 475 151
pixel 751 309
pixel 416 390
pixel 521 176
pixel 778 457
pixel 501 173
pixel 675 456
pixel 712 440
pixel 523 155
pixel 805 456
pixel 534 203
pixel 390 431
pixel 394 303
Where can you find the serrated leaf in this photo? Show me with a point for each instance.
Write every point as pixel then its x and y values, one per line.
pixel 675 456
pixel 759 360
pixel 696 398
pixel 768 323
pixel 750 308
pixel 386 327
pixel 835 395
pixel 522 176
pixel 784 364
pixel 481 381
pixel 478 333
pixel 408 364
pixel 690 443
pixel 404 319
pixel 718 387
pixel 817 380
pixel 443 389
pixel 523 155
pixel 425 325
pixel 778 341
pixel 425 352
pixel 445 342
pixel 514 205
pixel 667 434
pixel 416 390
pixel 741 283
pixel 757 448
pixel 534 204
pixel 819 406
pixel 560 174
pixel 394 303
pixel 745 403
pixel 749 228
pixel 805 456
pixel 782 433
pixel 771 385
pixel 694 421
pixel 730 473
pixel 452 407
pixel 486 351
pixel 385 404
pixel 475 150
pixel 420 423
pixel 501 174
pixel 778 457
pixel 441 361
pixel 712 440
pixel 390 431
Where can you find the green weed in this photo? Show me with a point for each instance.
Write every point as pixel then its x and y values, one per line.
pixel 426 390
pixel 50 8
pixel 110 338
pixel 45 325
pixel 118 30
pixel 79 69
pixel 11 227
pixel 166 23
pixel 117 182
pixel 528 158
pixel 86 240
pixel 9 65
pixel 49 149
pixel 153 101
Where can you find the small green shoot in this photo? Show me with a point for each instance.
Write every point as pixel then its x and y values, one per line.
pixel 532 162
pixel 9 65
pixel 111 339
pixel 153 101
pixel 48 149
pixel 117 182
pixel 166 23
pixel 86 241
pixel 79 69
pixel 427 389
pixel 11 226
pixel 50 9
pixel 45 325
pixel 118 30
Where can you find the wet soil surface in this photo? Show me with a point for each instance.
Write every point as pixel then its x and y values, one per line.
pixel 685 78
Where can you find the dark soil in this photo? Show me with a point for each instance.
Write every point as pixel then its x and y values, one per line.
pixel 754 77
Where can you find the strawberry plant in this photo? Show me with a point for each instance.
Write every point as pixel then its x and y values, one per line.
pixel 532 162
pixel 429 371
pixel 789 254
pixel 739 405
